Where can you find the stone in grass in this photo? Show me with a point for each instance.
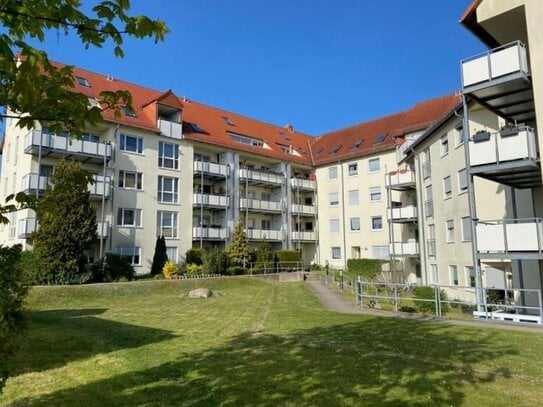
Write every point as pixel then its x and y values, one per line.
pixel 200 293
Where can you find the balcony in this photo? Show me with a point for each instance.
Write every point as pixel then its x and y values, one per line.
pixel 401 150
pixel 210 170
pixel 304 236
pixel 262 234
pixel 259 177
pixel 303 184
pixel 404 249
pixel 400 180
pixel 303 210
pixel 32 182
pixel 103 230
pixel 500 80
pixel 101 185
pixel 404 214
pixel 210 201
pixel 510 239
pixel 209 233
pixel 27 226
pixel 509 157
pixel 170 129
pixel 257 205
pixel 65 147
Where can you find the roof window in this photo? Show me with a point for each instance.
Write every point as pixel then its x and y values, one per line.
pixel 195 128
pixel 380 138
pixel 238 138
pixel 128 111
pixel 82 81
pixel 357 144
pixel 319 151
pixel 228 120
pixel 334 150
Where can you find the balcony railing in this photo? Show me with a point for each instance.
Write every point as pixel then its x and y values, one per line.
pixel 170 129
pixel 517 143
pixel 256 204
pixel 306 184
pixel 401 150
pixel 261 177
pixel 431 247
pixel 404 213
pixel 209 233
pixel 262 234
pixel 215 169
pixel 304 236
pixel 217 201
pixel 66 146
pixel 26 227
pixel 429 206
pixel 402 249
pixel 510 237
pixel 494 64
pixel 303 209
pixel 401 179
pixel 103 229
pixel 31 182
pixel 101 185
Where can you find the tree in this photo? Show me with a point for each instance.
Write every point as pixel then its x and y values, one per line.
pixel 67 226
pixel 160 257
pixel 239 250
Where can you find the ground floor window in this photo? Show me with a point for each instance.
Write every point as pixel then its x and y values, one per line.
pixel 336 253
pixel 134 252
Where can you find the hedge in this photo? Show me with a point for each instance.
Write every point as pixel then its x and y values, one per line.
pixel 367 268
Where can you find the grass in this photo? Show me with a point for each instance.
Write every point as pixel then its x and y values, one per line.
pixel 257 344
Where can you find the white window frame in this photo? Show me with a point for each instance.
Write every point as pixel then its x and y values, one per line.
pixel 354 197
pixel 468 271
pixel 355 224
pixel 374 160
pixel 462 178
pixel 171 227
pixel 333 198
pixel 375 194
pixel 372 224
pixel 175 256
pixel 164 159
pixel 134 252
pixel 453 272
pixel 335 252
pixel 459 135
pixel 352 169
pixel 449 231
pixel 123 146
pixel 434 273
pixel 121 218
pixel 444 145
pixel 161 193
pixel 334 226
pixel 332 173
pixel 138 177
pixel 447 192
pixel 465 222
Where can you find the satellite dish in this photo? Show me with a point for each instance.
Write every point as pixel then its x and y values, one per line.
pixel 111 164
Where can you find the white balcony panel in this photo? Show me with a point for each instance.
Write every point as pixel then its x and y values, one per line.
pixel 209 233
pixel 303 183
pixel 303 209
pixel 399 178
pixel 170 129
pixel 210 168
pixel 261 205
pixel 261 176
pixel 522 237
pixel 405 212
pixel 261 234
pixel 26 227
pixel 210 200
pixel 504 236
pixel 103 229
pixel 490 237
pixel 304 236
pixel 65 144
pixel 31 182
pixel 101 186
pixel 410 248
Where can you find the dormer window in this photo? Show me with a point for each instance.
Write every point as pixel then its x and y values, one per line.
pixel 128 111
pixel 357 144
pixel 238 138
pixel 82 81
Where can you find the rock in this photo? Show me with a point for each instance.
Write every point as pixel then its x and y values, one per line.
pixel 200 293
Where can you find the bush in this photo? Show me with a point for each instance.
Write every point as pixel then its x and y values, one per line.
pixel 428 293
pixel 316 267
pixel 218 262
pixel 195 256
pixel 30 267
pixel 286 259
pixel 367 268
pixel 159 257
pixel 115 268
pixel 13 290
pixel 194 269
pixel 235 271
pixel 170 269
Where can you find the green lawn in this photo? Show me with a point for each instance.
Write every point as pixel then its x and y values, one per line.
pixel 259 344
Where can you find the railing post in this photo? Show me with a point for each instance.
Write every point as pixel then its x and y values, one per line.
pixel 436 300
pixel 396 297
pixel 359 290
pixel 540 306
pixel 341 280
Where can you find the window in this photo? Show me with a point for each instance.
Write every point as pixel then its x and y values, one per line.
pixel 228 120
pixel 374 165
pixel 375 194
pixel 128 217
pixel 429 204
pixel 128 111
pixel 336 252
pixel 462 181
pixel 355 224
pixel 444 145
pixel 250 223
pixel 238 138
pixel 435 275
pixel 166 224
pixel 470 276
pixel 265 196
pixel 380 252
pixel 353 169
pixel 376 223
pixel 82 81
pixel 334 199
pixel 431 242
pixel 12 225
pixel 380 138
pixel 356 252
pixel 357 144
pixel 353 197
pixel 131 144
pixel 466 229
pixel 334 225
pixel 93 138
pixel 459 135
pixel 449 232
pixel 201 157
pixel 134 252
pixel 453 275
pixel 447 187
pixel 130 180
pixel 334 150
pixel 426 166
pixel 194 128
pixel 171 252
pixel 266 224
pixel 309 226
pixel 168 189
pixel 168 155
pixel 16 150
pixel 332 172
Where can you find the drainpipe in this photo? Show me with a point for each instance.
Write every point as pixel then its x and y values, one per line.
pixel 343 215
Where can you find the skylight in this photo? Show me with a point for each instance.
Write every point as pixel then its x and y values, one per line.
pixel 82 81
pixel 357 144
pixel 380 138
pixel 195 128
pixel 238 138
pixel 128 111
pixel 284 136
pixel 228 120
pixel 319 151
pixel 334 150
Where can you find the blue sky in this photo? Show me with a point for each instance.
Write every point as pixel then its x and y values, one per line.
pixel 318 65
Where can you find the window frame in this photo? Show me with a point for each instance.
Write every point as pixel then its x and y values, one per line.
pixel 453 272
pixel 373 218
pixel 450 234
pixel 372 160
pixel 121 183
pixel 447 193
pixel 173 226
pixel 444 145
pixel 136 253
pixel 335 252
pixel 466 237
pixel 139 144
pixel 121 217
pixel 354 196
pixel 162 158
pixel 465 189
pixel 352 169
pixel 356 219
pixel 332 171
pixel 161 191
pixel 333 202
pixel 373 194
pixel 334 225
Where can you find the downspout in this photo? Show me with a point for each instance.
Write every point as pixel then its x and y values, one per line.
pixel 343 215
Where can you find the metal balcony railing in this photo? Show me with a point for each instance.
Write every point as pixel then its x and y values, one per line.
pixel 219 201
pixel 65 145
pixel 209 233
pixel 260 176
pixel 263 234
pixel 510 236
pixel 305 184
pixel 170 129
pixel 26 227
pixel 400 249
pixel 402 213
pixel 208 168
pixel 400 179
pixel 101 185
pixel 257 204
pixel 303 209
pixel 304 236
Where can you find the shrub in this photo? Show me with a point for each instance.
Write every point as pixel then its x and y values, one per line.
pixel 170 269
pixel 194 269
pixel 239 250
pixel 195 256
pixel 408 309
pixel 316 267
pixel 218 262
pixel 30 267
pixel 115 267
pixel 286 259
pixel 160 257
pixel 13 289
pixel 367 268
pixel 235 271
pixel 429 306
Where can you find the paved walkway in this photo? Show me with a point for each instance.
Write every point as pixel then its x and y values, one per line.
pixel 333 301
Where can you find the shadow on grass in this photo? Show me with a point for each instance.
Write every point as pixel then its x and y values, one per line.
pixel 382 362
pixel 57 337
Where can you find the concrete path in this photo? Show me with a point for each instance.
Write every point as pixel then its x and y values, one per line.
pixel 333 301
